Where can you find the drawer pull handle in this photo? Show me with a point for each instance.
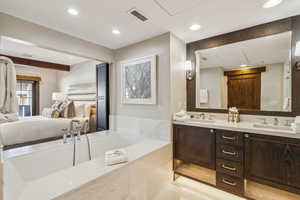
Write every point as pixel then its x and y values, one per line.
pixel 228 138
pixel 228 168
pixel 229 153
pixel 228 182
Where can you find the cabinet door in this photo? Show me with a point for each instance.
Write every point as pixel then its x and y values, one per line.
pixel 273 160
pixel 292 161
pixel 195 145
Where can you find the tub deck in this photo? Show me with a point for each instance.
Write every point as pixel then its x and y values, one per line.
pixel 44 172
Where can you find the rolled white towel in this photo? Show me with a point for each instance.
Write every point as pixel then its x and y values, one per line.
pixel 116 156
pixel 182 113
pixel 181 119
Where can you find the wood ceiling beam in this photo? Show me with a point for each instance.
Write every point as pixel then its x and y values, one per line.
pixel 37 63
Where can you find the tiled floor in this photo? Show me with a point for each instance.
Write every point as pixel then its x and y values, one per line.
pixel 186 189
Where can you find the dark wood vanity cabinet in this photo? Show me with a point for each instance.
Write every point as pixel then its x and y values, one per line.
pixel 236 157
pixel 273 161
pixel 230 161
pixel 194 145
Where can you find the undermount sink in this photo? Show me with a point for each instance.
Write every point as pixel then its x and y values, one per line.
pixel 202 120
pixel 273 127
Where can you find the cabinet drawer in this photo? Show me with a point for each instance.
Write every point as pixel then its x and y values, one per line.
pixel 230 184
pixel 230 153
pixel 230 168
pixel 229 137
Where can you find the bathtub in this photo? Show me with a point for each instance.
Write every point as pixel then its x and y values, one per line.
pixel 46 171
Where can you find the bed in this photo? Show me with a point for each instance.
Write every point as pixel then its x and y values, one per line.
pixel 38 129
pixel 33 129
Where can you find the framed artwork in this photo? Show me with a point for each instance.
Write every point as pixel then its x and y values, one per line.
pixel 138 81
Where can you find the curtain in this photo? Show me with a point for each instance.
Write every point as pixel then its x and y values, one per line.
pixel 8 82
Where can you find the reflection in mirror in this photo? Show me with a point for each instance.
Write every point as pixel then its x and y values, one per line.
pixel 53 89
pixel 251 75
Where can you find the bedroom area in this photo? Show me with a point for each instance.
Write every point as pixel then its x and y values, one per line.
pixel 51 90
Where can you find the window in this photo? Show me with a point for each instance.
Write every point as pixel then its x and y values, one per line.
pixel 27 96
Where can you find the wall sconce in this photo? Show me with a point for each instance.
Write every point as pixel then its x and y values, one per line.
pixel 189 70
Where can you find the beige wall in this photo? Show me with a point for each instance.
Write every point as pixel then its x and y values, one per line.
pixel 42 36
pixel 48 84
pixel 178 78
pixel 272 87
pixel 212 80
pixel 80 73
pixel 159 46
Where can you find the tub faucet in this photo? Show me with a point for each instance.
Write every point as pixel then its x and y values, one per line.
pixel 202 116
pixel 65 135
pixel 75 129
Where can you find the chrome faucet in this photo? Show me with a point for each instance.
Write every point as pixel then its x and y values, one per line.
pixel 75 129
pixel 86 127
pixel 202 116
pixel 276 121
pixel 85 130
pixel 72 132
pixel 65 135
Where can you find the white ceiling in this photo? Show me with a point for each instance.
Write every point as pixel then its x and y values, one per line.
pixel 254 53
pixel 97 18
pixel 23 49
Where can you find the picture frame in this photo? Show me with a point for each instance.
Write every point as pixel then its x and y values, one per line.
pixel 138 80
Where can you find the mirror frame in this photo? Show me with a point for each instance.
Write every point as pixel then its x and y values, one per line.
pixel 288 24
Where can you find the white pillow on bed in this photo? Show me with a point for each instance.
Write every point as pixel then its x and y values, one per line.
pixel 79 110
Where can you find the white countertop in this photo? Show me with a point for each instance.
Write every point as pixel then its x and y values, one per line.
pixel 245 127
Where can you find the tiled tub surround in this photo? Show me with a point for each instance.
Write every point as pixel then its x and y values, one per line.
pixel 44 172
pixel 142 127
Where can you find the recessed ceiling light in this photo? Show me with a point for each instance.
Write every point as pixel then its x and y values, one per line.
pixel 243 65
pixel 73 11
pixel 195 27
pixel 272 3
pixel 116 32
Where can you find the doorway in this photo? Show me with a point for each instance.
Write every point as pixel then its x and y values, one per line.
pixel 244 88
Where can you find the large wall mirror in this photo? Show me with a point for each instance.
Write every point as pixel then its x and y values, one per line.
pixel 253 69
pixel 252 74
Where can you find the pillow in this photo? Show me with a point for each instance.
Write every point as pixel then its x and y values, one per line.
pixel 55 113
pixel 56 105
pixel 47 112
pixel 67 109
pixel 79 110
pixel 87 110
pixel 50 113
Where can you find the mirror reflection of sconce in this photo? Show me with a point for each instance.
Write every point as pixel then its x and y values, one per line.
pixel 298 65
pixel 189 70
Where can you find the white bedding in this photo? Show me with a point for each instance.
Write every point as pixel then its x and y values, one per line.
pixel 33 128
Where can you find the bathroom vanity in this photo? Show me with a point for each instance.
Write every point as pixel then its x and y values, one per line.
pixel 254 70
pixel 233 155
